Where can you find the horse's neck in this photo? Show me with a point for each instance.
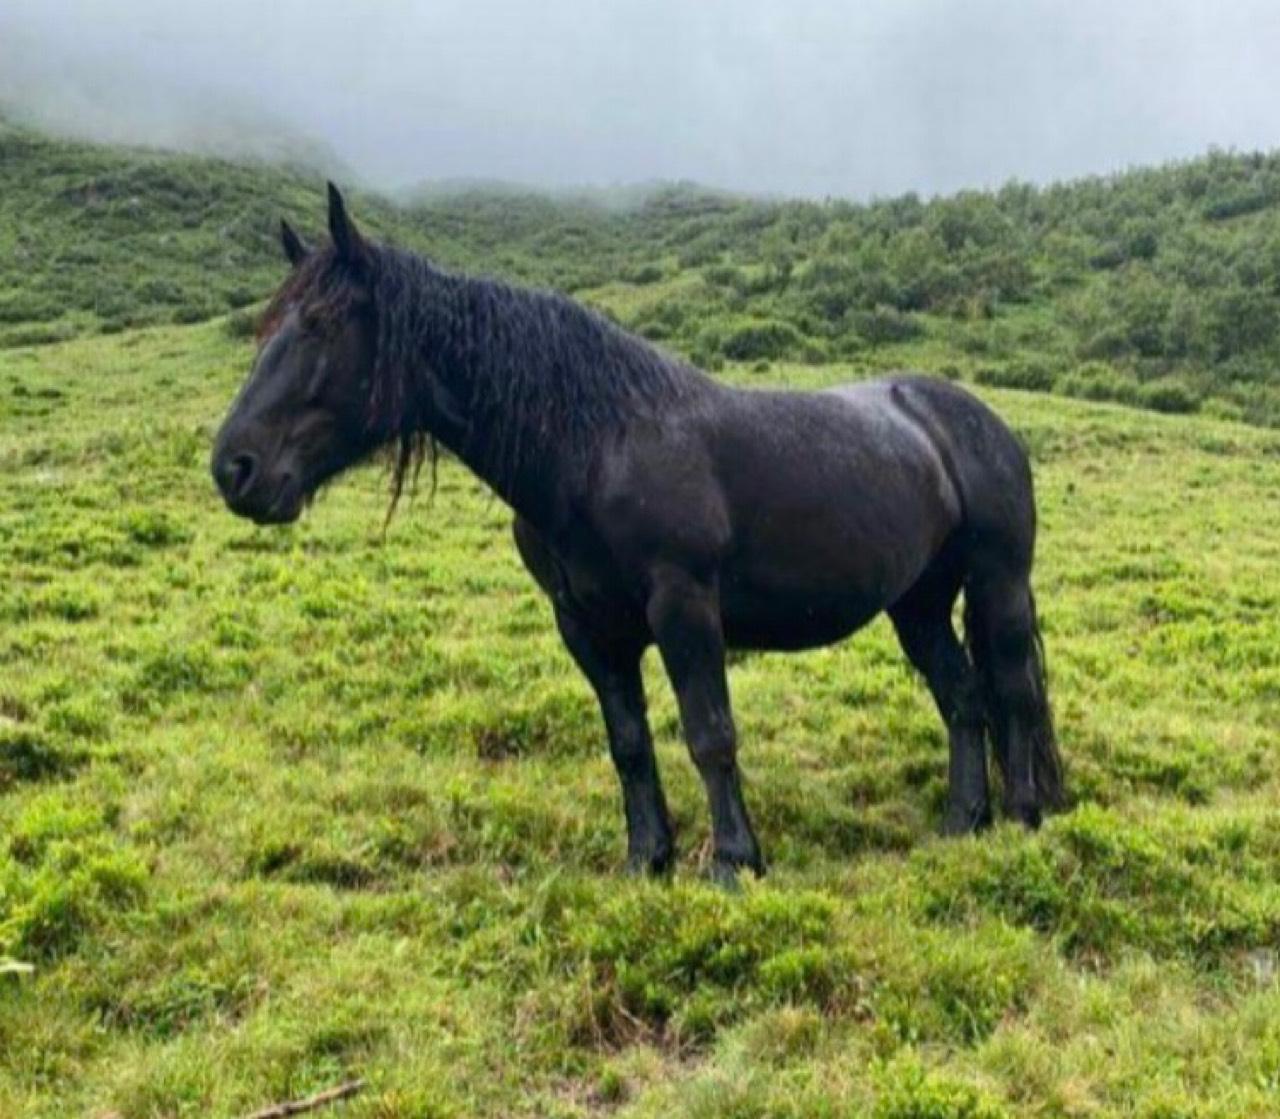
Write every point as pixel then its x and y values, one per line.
pixel 529 493
pixel 528 477
pixel 524 391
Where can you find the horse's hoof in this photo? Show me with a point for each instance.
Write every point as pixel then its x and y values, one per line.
pixel 723 871
pixel 1027 813
pixel 966 821
pixel 646 864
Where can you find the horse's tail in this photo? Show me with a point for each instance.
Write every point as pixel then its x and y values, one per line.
pixel 1002 632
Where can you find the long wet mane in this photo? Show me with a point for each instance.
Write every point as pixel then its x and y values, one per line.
pixel 537 373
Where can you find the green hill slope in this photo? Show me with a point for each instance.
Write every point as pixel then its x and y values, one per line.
pixel 1158 287
pixel 102 239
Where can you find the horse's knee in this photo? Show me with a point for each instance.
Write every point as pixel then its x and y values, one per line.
pixel 631 749
pixel 714 745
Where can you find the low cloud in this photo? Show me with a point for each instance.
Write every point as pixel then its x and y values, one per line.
pixel 804 97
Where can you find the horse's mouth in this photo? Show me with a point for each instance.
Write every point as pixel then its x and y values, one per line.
pixel 274 516
pixel 282 508
pixel 285 509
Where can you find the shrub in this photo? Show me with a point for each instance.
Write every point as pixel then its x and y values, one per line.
pixel 815 352
pixel 698 254
pixel 1096 381
pixel 709 360
pixel 725 276
pixel 1168 395
pixel 661 320
pixel 1220 409
pixel 763 338
pixel 885 325
pixel 1110 255
pixel 1242 319
pixel 1141 240
pixel 643 274
pixel 1030 375
pixel 241 325
pixel 193 312
pixel 1233 201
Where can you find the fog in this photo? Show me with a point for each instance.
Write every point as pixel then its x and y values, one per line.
pixel 808 97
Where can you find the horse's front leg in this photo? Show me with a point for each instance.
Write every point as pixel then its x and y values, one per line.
pixel 613 668
pixel 684 616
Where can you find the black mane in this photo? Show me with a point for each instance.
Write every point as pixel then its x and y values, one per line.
pixel 537 374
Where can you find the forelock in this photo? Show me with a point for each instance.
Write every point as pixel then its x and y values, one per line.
pixel 320 286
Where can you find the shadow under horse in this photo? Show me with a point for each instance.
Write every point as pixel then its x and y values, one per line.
pixel 656 505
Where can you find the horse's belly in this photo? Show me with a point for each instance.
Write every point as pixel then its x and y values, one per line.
pixel 753 619
pixel 818 584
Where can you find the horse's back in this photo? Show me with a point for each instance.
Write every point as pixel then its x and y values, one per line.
pixel 905 437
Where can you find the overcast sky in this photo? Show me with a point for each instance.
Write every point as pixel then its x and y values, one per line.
pixel 813 97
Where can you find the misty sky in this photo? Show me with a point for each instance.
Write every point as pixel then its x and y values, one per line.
pixel 811 97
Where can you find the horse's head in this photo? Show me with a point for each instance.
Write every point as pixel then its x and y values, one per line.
pixel 303 415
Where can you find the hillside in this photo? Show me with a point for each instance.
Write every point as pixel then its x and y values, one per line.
pixel 279 808
pixel 1159 287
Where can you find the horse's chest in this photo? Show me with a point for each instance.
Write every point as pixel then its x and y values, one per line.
pixel 591 586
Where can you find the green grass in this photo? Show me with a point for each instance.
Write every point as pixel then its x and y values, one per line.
pixel 283 807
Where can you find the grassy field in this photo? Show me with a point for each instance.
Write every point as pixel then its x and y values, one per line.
pixel 279 808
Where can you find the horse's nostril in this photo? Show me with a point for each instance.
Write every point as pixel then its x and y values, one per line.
pixel 244 467
pixel 236 474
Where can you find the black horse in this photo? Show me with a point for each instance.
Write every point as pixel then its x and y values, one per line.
pixel 655 505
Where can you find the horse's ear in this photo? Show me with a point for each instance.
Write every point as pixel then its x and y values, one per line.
pixel 346 237
pixel 294 246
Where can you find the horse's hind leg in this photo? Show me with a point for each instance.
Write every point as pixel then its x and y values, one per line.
pixel 923 622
